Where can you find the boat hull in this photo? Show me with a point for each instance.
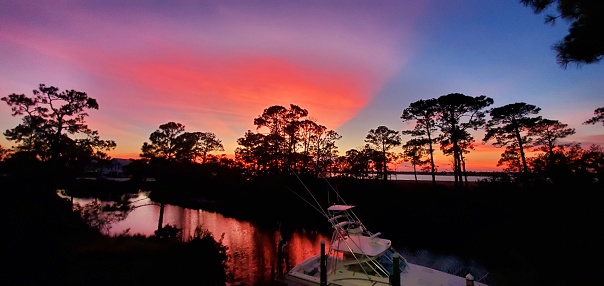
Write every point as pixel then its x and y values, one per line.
pixel 307 273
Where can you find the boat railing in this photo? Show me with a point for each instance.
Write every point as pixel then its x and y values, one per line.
pixel 378 268
pixel 345 224
pixel 483 278
pixel 375 235
pixel 335 218
pixel 341 225
pixel 367 264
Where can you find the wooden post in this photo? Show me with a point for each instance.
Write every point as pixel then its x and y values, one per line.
pixel 396 271
pixel 160 222
pixel 323 269
pixel 280 256
pixel 469 280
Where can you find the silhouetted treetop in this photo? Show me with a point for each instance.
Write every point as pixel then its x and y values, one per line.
pixel 509 126
pixel 382 140
pixel 163 142
pixel 547 132
pixel 584 43
pixel 294 141
pixel 54 126
pixel 425 113
pixel 598 117
pixel 172 143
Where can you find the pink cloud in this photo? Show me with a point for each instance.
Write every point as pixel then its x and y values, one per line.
pixel 246 86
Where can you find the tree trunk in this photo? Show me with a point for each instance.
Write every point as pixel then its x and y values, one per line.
pixel 432 160
pixel 521 149
pixel 456 165
pixel 160 221
pixel 415 173
pixel 385 166
pixel 463 161
pixel 456 155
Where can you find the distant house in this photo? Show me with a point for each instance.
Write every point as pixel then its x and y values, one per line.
pixel 115 168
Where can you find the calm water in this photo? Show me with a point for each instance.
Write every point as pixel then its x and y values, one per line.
pixel 253 250
pixel 439 178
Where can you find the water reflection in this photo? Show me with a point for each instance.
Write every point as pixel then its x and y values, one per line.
pixel 253 250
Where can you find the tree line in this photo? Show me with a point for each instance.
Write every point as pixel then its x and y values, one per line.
pixel 446 121
pixel 53 129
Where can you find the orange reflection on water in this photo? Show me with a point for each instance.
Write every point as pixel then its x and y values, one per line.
pixel 252 250
pixel 304 244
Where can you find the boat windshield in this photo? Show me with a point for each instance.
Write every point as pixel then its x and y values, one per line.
pixel 386 260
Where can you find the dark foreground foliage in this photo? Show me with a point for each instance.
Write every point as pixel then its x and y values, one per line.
pixel 147 261
pixel 46 243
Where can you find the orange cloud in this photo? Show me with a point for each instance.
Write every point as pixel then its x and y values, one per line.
pixel 241 88
pixel 225 95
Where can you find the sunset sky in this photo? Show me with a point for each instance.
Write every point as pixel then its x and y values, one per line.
pixel 354 65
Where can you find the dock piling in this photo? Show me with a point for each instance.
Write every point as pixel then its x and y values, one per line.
pixel 469 280
pixel 396 271
pixel 323 270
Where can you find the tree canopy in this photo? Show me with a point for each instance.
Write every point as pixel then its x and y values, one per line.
pixel 54 125
pixel 171 142
pixel 584 43
pixel 383 139
pixel 164 142
pixel 547 132
pixel 598 117
pixel 424 112
pixel 509 126
pixel 414 153
pixel 293 141
pixel 456 114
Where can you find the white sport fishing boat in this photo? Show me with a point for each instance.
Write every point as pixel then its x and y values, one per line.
pixel 355 256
